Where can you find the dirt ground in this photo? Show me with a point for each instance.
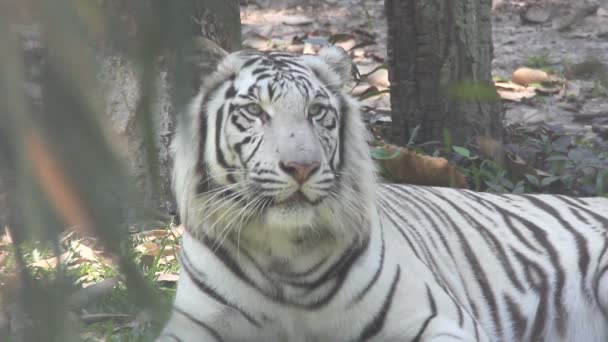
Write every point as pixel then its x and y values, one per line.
pixel 569 39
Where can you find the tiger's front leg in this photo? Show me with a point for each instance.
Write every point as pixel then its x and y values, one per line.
pixel 446 329
pixel 200 313
pixel 183 327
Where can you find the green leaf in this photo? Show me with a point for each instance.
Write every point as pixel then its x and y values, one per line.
pixel 339 37
pixel 600 187
pixel 413 135
pixel 371 92
pixel 447 140
pixel 381 153
pixel 495 187
pixel 557 157
pixel 507 184
pixel 462 151
pixel 548 180
pixel 473 91
pixel 519 188
pixel 533 180
pixel 317 41
pixel 379 67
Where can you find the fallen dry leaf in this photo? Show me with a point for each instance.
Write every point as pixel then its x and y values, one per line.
pixel 258 42
pixel 411 168
pixel 491 148
pixel 92 292
pixel 514 92
pixel 379 78
pixel 4 256
pixel 167 277
pixel 104 317
pixel 297 20
pixel 516 96
pixel 536 15
pixel 525 76
pixel 514 164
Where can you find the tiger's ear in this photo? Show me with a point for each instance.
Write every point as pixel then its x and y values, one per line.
pixel 332 65
pixel 228 67
pixel 231 64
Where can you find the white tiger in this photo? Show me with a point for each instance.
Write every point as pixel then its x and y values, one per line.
pixel 291 238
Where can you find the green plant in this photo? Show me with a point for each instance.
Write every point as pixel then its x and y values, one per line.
pixel 542 61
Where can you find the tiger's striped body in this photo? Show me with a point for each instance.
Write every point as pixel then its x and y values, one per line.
pixel 334 256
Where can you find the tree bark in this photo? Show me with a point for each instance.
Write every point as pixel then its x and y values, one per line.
pixel 440 54
pixel 213 24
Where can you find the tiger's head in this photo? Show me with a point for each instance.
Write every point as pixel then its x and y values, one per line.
pixel 274 146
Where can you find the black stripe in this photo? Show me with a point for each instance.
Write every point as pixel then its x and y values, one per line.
pixel 345 259
pixel 312 269
pixel 374 327
pixel 200 323
pixel 427 321
pixel 427 252
pixel 218 134
pixel 582 206
pixel 493 242
pixel 218 150
pixel 255 149
pixel 332 125
pixel 554 257
pixel 376 275
pixel 250 62
pixel 274 54
pixel 532 270
pixel 343 113
pixel 203 185
pixel 238 147
pixel 413 200
pixel 598 276
pixel 270 89
pixel 581 243
pixel 478 272
pixel 407 239
pixel 234 119
pixel 258 71
pixel 222 254
pixel 196 277
pixel 342 267
pixel 519 322
pixel 230 92
pixel 262 77
pixel 172 336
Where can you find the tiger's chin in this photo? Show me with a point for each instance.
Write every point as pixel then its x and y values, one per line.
pixel 288 216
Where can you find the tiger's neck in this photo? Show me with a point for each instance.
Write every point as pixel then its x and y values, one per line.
pixel 292 251
pixel 283 251
pixel 301 271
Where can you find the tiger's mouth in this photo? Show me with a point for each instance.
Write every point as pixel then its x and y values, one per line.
pixel 296 199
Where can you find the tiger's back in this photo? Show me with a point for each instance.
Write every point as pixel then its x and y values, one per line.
pixel 527 267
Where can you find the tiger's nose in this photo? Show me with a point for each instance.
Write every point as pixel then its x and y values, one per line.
pixel 299 171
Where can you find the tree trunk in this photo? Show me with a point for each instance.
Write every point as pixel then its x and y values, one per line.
pixel 440 54
pixel 211 22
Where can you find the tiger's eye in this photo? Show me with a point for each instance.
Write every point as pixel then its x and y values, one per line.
pixel 254 109
pixel 315 109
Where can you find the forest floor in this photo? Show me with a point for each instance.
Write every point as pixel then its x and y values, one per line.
pixel 568 39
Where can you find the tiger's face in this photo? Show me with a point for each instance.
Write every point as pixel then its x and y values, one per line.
pixel 277 140
pixel 272 131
